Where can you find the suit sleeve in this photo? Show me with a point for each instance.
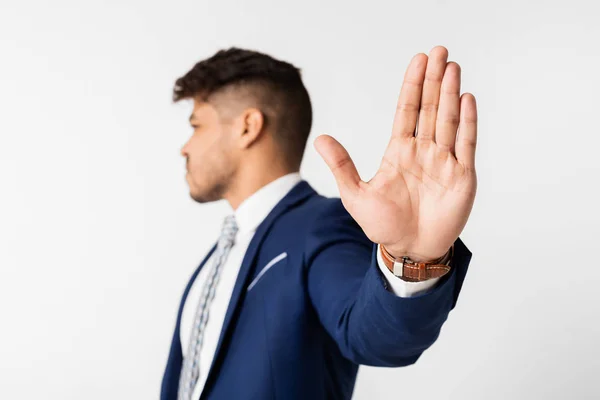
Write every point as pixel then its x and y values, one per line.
pixel 370 324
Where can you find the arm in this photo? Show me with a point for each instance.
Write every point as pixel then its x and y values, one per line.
pixel 371 325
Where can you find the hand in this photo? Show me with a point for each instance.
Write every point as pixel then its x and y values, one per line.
pixel 418 202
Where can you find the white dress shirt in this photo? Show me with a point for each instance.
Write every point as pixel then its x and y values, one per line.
pixel 250 213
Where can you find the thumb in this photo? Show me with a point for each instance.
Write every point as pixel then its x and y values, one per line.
pixel 339 162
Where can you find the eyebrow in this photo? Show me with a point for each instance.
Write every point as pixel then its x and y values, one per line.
pixel 192 117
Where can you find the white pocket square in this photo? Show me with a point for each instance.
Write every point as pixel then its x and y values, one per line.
pixel 266 268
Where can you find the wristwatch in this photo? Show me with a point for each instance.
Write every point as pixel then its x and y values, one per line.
pixel 411 271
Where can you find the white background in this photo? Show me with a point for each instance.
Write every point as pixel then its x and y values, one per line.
pixel 98 234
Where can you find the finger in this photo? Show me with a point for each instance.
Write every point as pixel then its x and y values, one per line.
pixel 447 120
pixel 407 108
pixel 431 93
pixel 467 131
pixel 341 165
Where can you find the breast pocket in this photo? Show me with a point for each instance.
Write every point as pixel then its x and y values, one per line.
pixel 276 261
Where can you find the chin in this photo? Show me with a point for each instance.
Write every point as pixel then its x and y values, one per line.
pixel 203 189
pixel 198 199
pixel 200 196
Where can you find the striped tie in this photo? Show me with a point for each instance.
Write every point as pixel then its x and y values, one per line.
pixel 190 369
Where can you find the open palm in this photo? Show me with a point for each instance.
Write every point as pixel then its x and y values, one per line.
pixel 418 202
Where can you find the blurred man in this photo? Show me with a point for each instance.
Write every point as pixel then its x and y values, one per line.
pixel 299 289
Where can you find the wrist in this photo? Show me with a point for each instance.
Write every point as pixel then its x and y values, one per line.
pixel 415 271
pixel 416 257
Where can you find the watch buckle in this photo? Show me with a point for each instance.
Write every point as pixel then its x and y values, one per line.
pixel 399 266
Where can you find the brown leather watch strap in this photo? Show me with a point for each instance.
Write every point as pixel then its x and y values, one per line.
pixel 411 271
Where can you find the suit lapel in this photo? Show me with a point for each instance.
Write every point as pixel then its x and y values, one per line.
pixel 295 195
pixel 173 369
pixel 189 286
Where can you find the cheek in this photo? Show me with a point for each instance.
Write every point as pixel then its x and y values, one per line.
pixel 205 151
pixel 198 145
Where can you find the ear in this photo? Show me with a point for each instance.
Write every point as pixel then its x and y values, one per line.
pixel 251 126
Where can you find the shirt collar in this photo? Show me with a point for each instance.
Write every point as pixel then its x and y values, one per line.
pixel 254 209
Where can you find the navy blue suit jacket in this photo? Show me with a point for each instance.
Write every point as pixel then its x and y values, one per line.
pixel 306 324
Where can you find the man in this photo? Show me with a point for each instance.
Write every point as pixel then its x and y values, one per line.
pixel 300 289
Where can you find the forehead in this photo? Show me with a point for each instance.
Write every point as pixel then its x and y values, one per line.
pixel 202 110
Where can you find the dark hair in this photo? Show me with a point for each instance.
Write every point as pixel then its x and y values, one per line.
pixel 275 87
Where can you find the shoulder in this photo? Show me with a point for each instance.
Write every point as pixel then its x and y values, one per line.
pixel 316 212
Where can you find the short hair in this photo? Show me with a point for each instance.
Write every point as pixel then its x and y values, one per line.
pixel 274 87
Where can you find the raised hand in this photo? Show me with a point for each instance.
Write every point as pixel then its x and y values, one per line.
pixel 418 202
